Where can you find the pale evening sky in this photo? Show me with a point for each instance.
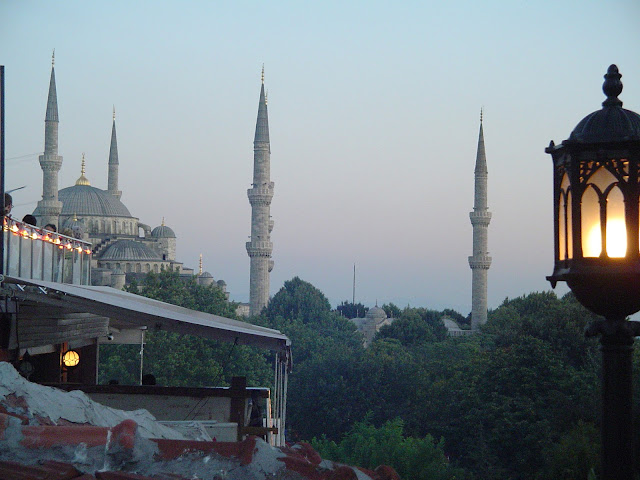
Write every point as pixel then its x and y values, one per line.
pixel 373 112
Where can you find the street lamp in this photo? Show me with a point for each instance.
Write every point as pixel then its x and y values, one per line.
pixel 596 185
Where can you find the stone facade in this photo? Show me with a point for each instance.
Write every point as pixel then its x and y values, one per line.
pixel 374 320
pixel 480 217
pixel 260 194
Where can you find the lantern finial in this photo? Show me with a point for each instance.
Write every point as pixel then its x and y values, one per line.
pixel 612 87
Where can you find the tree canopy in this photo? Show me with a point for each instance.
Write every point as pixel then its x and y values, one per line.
pixel 184 360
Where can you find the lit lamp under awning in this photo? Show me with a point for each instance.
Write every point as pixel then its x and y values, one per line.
pixel 71 358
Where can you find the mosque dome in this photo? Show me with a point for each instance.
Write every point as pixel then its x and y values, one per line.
pixel 221 283
pixel 376 313
pixel 205 275
pixel 129 250
pixel 85 200
pixel 163 232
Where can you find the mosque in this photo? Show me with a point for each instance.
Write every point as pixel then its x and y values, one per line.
pixel 123 247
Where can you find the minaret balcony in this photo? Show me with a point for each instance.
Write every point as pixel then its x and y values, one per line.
pixel 480 261
pixel 33 253
pixel 480 217
pixel 261 189
pixel 259 248
pixel 260 195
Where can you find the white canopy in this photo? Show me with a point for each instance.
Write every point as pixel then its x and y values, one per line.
pixel 128 311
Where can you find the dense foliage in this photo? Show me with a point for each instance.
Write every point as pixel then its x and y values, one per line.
pixel 352 310
pixel 368 446
pixel 518 400
pixel 184 360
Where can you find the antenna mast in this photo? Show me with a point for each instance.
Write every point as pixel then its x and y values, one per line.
pixel 353 300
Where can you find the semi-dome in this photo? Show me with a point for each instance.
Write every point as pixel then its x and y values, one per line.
pixel 163 232
pixel 129 250
pixel 85 200
pixel 612 123
pixel 376 313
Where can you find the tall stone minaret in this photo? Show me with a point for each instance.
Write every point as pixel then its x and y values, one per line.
pixel 112 182
pixel 260 195
pixel 480 261
pixel 49 208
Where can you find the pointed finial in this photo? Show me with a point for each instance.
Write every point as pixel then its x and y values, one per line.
pixel 75 217
pixel 82 180
pixel 200 264
pixel 114 113
pixel 612 87
pixel 262 74
pixel 53 58
pixel 481 111
pixel 162 224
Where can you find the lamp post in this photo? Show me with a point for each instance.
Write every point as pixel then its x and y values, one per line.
pixel 596 185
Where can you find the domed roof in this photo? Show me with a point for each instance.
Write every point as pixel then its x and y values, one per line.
pixel 205 275
pixel 612 123
pixel 376 313
pixel 129 250
pixel 85 200
pixel 163 232
pixel 221 283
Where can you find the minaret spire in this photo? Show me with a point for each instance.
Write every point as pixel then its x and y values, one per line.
pixel 480 217
pixel 112 181
pixel 49 208
pixel 260 195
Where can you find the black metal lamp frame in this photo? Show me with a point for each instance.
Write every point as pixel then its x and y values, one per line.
pixel 607 141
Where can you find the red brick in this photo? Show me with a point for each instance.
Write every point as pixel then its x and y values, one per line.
pixel 385 472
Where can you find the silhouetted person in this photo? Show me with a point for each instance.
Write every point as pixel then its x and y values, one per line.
pixel 8 204
pixel 30 219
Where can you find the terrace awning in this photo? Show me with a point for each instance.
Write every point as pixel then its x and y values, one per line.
pixel 129 311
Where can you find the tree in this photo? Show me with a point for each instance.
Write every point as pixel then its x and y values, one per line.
pixel 392 310
pixel 298 299
pixel 184 360
pixel 412 458
pixel 352 310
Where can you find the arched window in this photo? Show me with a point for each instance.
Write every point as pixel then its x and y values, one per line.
pixel 565 247
pixel 603 222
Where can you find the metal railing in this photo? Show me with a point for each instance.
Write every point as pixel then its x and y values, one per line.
pixel 34 253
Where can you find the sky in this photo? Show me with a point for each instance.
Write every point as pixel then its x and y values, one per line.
pixel 374 112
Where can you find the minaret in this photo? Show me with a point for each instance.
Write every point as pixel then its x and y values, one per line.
pixel 49 208
pixel 260 195
pixel 112 183
pixel 480 261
